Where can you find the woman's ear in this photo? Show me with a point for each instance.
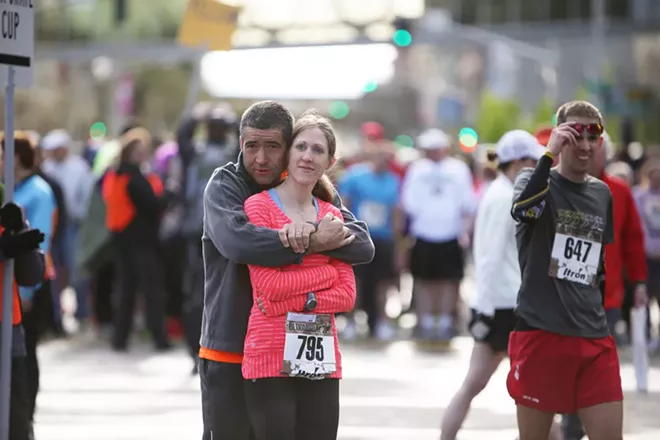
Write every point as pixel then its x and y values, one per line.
pixel 332 162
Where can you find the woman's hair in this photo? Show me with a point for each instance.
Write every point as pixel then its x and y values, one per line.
pixel 491 155
pixel 312 118
pixel 130 140
pixel 24 148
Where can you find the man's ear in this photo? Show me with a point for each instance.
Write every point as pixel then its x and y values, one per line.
pixel 240 142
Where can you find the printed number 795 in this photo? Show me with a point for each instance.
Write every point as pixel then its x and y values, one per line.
pixel 311 347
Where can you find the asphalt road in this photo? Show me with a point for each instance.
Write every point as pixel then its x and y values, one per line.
pixel 392 392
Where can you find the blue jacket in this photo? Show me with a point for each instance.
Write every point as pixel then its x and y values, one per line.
pixel 36 198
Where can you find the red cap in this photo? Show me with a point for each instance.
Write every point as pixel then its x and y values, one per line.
pixel 543 135
pixel 373 131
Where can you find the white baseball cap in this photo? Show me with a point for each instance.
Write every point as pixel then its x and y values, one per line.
pixel 433 139
pixel 518 144
pixel 56 139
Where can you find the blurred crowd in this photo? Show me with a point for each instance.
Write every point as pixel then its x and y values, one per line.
pixel 123 217
pixel 147 240
pixel 126 219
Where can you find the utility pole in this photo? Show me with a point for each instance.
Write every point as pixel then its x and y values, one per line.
pixel 599 47
pixel 120 11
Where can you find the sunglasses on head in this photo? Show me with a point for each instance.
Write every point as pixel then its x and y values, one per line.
pixel 594 131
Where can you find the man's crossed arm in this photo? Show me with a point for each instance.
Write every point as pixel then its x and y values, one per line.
pixel 227 226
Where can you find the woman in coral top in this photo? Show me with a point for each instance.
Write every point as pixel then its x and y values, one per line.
pixel 291 353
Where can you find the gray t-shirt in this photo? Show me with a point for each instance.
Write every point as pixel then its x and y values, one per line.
pixel 559 291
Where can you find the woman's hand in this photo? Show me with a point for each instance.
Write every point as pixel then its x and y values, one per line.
pixel 262 307
pixel 296 236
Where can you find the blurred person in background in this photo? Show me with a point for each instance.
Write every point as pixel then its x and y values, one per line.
pixel 437 196
pixel 167 166
pixel 371 190
pixel 200 160
pixel 624 258
pixel 76 180
pixel 95 260
pixel 490 173
pixel 95 253
pixel 90 150
pixel 372 140
pixel 647 199
pixel 634 154
pixel 497 274
pixel 109 150
pixel 23 245
pixel 622 171
pixel 164 162
pixel 479 181
pixel 56 239
pixel 134 206
pixel 37 201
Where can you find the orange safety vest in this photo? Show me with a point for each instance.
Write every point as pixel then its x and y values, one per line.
pixel 17 316
pixel 120 210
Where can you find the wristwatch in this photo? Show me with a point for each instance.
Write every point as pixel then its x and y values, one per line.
pixel 311 302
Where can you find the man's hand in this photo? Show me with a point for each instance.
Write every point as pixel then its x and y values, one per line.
pixel 561 136
pixel 26 305
pixel 296 236
pixel 331 234
pixel 641 296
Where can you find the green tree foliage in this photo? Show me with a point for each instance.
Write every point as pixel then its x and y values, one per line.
pixel 583 93
pixel 154 107
pixel 542 116
pixel 95 20
pixel 496 116
pixel 544 113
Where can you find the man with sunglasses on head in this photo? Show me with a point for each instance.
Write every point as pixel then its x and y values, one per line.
pixel 563 357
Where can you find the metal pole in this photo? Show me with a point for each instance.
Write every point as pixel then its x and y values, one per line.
pixel 194 85
pixel 599 47
pixel 8 272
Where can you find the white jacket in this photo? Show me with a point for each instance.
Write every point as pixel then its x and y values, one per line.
pixel 495 252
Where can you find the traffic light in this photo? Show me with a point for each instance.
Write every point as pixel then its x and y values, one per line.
pixel 338 109
pixel 468 139
pixel 402 36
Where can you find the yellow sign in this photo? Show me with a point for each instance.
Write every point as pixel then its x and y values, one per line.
pixel 208 23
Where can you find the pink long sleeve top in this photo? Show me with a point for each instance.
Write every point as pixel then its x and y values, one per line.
pixel 285 289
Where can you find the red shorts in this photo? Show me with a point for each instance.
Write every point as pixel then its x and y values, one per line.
pixel 561 374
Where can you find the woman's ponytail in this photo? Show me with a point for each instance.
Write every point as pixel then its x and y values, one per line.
pixel 491 155
pixel 324 189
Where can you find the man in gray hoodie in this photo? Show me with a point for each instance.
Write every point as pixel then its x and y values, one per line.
pixel 230 242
